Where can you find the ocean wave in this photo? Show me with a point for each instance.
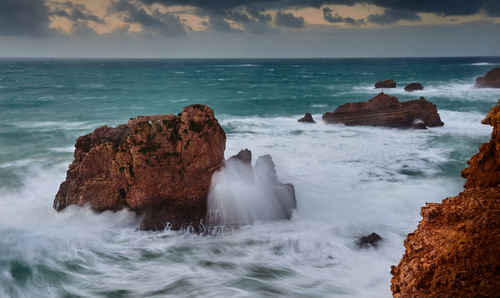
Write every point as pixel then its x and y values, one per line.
pixel 482 63
pixel 50 125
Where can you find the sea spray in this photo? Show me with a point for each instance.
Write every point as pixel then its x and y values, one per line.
pixel 241 195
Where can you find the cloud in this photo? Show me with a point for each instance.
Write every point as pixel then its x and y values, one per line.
pixel 393 15
pixel 288 20
pixel 24 18
pixel 158 23
pixel 77 12
pixel 329 17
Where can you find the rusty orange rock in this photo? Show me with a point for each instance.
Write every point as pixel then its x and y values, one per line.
pixel 158 166
pixel 455 251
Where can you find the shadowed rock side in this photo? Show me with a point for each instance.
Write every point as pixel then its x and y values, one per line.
pixel 308 118
pixel 385 84
pixel 455 250
pixel 386 110
pixel 490 80
pixel 158 166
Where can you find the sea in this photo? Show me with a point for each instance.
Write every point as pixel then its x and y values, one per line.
pixel 349 181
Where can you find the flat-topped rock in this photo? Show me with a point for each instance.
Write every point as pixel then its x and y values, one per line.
pixel 414 87
pixel 490 80
pixel 385 84
pixel 158 166
pixel 386 110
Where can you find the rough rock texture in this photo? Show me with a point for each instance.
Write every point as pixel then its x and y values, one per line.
pixel 385 84
pixel 455 250
pixel 385 110
pixel 307 118
pixel 490 80
pixel 158 166
pixel 370 240
pixel 414 87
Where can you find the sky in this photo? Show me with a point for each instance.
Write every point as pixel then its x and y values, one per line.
pixel 249 28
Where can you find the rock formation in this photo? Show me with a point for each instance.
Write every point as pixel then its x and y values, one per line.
pixel 414 87
pixel 490 80
pixel 369 241
pixel 158 166
pixel 241 194
pixel 385 110
pixel 385 84
pixel 455 250
pixel 307 118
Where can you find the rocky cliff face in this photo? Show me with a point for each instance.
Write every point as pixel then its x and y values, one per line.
pixel 158 166
pixel 455 250
pixel 490 80
pixel 386 110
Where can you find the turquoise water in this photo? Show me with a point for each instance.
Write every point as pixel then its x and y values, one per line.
pixel 350 181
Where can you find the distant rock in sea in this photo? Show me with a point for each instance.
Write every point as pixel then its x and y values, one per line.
pixel 307 118
pixel 455 250
pixel 385 84
pixel 158 166
pixel 386 110
pixel 413 87
pixel 369 241
pixel 490 80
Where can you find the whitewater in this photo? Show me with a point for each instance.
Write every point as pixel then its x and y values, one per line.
pixel 349 181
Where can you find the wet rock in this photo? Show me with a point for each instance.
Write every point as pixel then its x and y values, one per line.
pixel 418 125
pixel 244 156
pixel 158 166
pixel 414 87
pixel 307 118
pixel 454 251
pixel 369 241
pixel 386 110
pixel 385 84
pixel 490 80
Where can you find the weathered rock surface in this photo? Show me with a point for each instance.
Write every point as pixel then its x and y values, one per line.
pixel 414 87
pixel 385 84
pixel 369 241
pixel 386 110
pixel 490 80
pixel 307 118
pixel 158 166
pixel 455 250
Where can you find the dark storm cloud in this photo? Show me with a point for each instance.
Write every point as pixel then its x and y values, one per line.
pixel 23 17
pixel 288 20
pixel 328 16
pixel 77 12
pixel 393 15
pixel 157 22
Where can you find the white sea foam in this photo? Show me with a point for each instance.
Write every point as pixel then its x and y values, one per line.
pixel 349 182
pixel 482 64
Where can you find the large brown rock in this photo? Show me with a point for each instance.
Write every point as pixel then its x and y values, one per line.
pixel 490 80
pixel 158 166
pixel 386 110
pixel 385 84
pixel 455 250
pixel 414 87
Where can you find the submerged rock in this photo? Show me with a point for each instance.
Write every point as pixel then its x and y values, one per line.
pixel 414 87
pixel 307 118
pixel 241 194
pixel 490 80
pixel 385 84
pixel 386 110
pixel 370 240
pixel 158 166
pixel 455 250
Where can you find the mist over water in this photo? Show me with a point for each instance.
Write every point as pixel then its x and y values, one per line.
pixel 349 181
